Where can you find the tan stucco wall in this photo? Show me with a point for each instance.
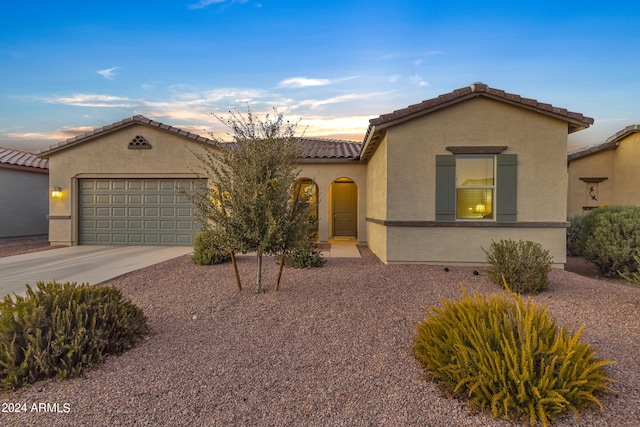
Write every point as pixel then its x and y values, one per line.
pixel 627 171
pixel 619 166
pixel 171 156
pixel 377 199
pixel 599 165
pixel 462 245
pixel 540 143
pixel 324 174
pixel 108 156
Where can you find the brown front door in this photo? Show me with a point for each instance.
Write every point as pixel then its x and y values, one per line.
pixel 345 207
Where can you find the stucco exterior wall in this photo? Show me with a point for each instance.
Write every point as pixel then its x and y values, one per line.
pixel 108 156
pixel 626 170
pixel 463 246
pixel 171 156
pixel 377 192
pixel 539 141
pixel 324 174
pixel 620 167
pixel 598 165
pixel 23 202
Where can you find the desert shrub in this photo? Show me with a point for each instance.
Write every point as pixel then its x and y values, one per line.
pixel 209 248
pixel 576 235
pixel 525 265
pixel 612 234
pixel 304 252
pixel 58 330
pixel 634 276
pixel 508 356
pixel 304 255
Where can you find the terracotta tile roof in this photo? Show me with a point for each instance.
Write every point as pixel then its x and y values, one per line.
pixel 119 125
pixel 21 159
pixel 322 148
pixel 576 121
pixel 612 142
pixel 312 148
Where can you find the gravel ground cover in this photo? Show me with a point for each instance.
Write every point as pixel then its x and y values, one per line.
pixel 331 348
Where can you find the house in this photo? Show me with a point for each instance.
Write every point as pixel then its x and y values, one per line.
pixel 24 192
pixel 606 174
pixel 432 183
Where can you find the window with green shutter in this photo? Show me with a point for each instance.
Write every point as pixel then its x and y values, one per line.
pixel 476 187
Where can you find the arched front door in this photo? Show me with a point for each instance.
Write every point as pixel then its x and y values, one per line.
pixel 345 208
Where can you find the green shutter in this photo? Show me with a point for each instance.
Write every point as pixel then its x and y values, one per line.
pixel 445 188
pixel 507 187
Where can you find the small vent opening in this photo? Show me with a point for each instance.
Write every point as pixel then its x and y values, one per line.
pixel 139 142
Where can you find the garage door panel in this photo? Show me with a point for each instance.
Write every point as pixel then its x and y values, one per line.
pixel 151 225
pixel 119 225
pixel 135 212
pixel 167 225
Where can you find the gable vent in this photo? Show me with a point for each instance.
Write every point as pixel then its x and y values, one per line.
pixel 139 142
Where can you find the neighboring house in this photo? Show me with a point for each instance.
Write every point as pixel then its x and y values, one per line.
pixel 606 174
pixel 432 183
pixel 24 188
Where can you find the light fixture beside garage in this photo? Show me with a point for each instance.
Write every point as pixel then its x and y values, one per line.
pixel 56 193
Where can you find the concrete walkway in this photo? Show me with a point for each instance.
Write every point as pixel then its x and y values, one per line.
pixel 81 264
pixel 342 250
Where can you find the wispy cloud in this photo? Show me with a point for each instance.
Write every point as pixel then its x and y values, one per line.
pixel 91 100
pixel 418 80
pixel 109 73
pixel 63 133
pixel 302 82
pixel 315 103
pixel 204 3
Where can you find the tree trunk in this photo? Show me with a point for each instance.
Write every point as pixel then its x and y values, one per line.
pixel 259 272
pixel 235 269
pixel 280 273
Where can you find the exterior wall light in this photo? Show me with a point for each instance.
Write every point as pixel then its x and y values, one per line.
pixel 56 193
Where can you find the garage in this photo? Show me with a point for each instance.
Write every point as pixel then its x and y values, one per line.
pixel 136 212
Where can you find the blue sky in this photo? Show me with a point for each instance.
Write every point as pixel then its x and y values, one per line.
pixel 70 66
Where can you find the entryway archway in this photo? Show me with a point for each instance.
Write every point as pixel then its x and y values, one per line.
pixel 344 204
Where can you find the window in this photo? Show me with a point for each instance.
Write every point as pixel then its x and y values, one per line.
pixel 467 184
pixel 475 184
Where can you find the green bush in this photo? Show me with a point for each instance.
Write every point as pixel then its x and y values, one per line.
pixel 304 255
pixel 575 235
pixel 304 252
pixel 611 235
pixel 57 330
pixel 508 356
pixel 634 276
pixel 209 248
pixel 525 265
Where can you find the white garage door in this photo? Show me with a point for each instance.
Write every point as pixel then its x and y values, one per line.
pixel 136 212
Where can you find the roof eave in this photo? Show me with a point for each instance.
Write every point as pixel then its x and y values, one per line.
pixel 610 144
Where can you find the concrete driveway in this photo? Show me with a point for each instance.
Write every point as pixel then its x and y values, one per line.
pixel 81 264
